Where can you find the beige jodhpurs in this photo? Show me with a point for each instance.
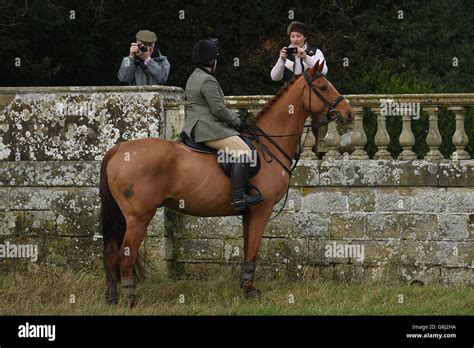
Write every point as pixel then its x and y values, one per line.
pixel 233 145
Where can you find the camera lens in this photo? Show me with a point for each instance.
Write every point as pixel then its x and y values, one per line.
pixel 143 48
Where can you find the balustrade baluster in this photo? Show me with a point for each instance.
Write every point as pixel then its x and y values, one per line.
pixel 433 138
pixel 407 139
pixel 332 141
pixel 460 138
pixel 382 138
pixel 359 139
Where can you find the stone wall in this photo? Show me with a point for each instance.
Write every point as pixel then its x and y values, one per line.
pixel 414 219
pixel 51 144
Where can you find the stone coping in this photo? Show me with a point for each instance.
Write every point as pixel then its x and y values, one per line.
pixel 174 93
pixel 370 100
pixel 309 173
pixel 89 89
pixel 171 96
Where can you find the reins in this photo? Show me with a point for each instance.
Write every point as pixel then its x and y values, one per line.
pixel 256 132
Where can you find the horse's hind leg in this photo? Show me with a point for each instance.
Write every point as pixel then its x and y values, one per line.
pixel 134 235
pixel 112 272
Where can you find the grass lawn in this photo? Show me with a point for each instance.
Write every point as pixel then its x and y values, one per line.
pixel 69 293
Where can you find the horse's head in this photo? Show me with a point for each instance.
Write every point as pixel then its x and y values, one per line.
pixel 320 96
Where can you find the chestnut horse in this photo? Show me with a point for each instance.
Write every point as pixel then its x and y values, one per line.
pixel 139 176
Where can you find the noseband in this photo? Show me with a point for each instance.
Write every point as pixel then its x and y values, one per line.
pixel 332 113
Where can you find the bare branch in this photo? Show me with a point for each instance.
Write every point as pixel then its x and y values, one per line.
pixel 26 8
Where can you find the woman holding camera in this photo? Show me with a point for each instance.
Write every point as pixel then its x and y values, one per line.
pixel 298 56
pixel 295 59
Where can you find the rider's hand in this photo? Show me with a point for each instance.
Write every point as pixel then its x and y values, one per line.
pixel 133 50
pixel 283 53
pixel 301 52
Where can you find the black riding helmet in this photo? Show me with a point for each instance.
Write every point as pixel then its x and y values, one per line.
pixel 204 51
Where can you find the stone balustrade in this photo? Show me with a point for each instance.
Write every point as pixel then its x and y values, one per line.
pixel 407 107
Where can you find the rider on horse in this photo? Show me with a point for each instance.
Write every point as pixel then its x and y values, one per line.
pixel 209 121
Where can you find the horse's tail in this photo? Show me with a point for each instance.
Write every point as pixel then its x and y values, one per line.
pixel 112 221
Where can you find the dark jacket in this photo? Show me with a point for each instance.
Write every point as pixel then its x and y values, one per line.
pixel 207 117
pixel 288 74
pixel 136 73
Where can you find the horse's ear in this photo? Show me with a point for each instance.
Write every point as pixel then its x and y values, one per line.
pixel 315 68
pixel 321 66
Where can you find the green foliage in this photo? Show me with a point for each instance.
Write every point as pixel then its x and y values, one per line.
pixel 386 53
pixel 380 80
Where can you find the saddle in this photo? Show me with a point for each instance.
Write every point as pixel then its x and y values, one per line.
pixel 226 166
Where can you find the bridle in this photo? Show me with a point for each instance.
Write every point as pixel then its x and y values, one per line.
pixel 332 113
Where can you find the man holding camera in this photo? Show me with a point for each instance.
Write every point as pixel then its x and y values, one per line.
pixel 140 68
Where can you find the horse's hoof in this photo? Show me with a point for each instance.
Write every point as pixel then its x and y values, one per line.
pixel 111 300
pixel 253 293
pixel 250 290
pixel 132 301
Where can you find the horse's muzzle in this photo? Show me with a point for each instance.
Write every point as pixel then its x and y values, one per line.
pixel 350 116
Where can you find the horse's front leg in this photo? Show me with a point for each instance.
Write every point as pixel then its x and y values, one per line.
pixel 254 223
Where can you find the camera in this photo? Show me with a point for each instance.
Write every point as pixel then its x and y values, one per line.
pixel 291 50
pixel 142 47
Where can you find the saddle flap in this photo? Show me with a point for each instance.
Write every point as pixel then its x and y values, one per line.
pixel 226 166
pixel 199 147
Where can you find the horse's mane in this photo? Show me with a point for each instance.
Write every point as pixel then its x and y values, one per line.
pixel 277 96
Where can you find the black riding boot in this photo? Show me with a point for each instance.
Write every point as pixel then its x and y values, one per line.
pixel 239 177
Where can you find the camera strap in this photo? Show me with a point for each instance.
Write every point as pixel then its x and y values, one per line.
pixel 139 62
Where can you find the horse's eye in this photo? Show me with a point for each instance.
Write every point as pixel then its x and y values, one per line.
pixel 324 87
